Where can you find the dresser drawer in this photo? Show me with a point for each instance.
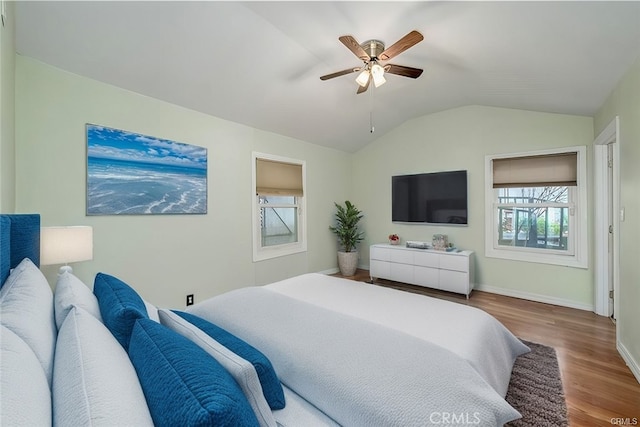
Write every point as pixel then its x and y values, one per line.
pixel 426 276
pixel 380 269
pixel 402 256
pixel 454 281
pixel 402 272
pixel 382 254
pixel 454 262
pixel 426 259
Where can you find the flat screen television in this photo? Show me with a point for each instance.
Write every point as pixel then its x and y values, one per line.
pixel 432 198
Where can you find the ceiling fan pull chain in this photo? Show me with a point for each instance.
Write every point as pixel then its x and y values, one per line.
pixel 372 128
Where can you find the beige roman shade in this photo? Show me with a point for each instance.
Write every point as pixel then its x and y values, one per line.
pixel 536 171
pixel 275 178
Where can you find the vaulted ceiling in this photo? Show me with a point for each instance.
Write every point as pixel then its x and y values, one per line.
pixel 259 63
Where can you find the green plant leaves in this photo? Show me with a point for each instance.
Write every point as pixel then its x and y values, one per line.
pixel 347 218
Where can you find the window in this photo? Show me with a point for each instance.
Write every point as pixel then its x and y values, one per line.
pixel 535 217
pixel 278 206
pixel 536 207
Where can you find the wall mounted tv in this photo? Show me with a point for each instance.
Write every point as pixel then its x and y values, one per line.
pixel 432 198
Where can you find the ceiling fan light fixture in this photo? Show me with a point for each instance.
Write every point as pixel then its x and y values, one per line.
pixel 377 72
pixel 363 78
pixel 373 51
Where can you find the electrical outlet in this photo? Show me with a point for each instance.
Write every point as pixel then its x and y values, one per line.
pixel 190 299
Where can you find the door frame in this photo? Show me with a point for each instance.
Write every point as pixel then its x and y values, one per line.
pixel 610 135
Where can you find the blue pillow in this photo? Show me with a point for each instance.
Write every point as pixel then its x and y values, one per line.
pixel 120 306
pixel 271 387
pixel 183 385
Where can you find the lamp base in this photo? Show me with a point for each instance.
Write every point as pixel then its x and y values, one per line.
pixel 65 269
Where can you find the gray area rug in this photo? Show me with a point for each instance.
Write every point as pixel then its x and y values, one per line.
pixel 536 390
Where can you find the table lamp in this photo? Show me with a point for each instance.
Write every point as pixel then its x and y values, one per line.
pixel 63 245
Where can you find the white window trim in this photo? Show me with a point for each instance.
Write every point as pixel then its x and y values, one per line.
pixel 580 258
pixel 260 253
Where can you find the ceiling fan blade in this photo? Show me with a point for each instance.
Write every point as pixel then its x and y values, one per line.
pixel 364 88
pixel 401 45
pixel 340 73
pixel 401 70
pixel 354 47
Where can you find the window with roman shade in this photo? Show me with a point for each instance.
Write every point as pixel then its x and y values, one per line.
pixel 274 178
pixel 536 206
pixel 536 171
pixel 279 214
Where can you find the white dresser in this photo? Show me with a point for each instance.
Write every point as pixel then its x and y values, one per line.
pixel 448 271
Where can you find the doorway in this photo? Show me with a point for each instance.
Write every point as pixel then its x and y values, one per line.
pixel 607 219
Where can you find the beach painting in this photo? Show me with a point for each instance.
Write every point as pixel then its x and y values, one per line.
pixel 133 174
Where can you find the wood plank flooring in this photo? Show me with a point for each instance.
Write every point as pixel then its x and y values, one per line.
pixel 597 383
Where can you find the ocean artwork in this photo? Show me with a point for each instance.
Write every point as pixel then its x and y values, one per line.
pixel 133 174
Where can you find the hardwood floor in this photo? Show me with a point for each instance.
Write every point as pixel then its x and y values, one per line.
pixel 598 385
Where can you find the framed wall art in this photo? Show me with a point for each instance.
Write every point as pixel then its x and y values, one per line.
pixel 133 174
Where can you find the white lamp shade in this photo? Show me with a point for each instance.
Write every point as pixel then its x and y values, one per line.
pixel 378 75
pixel 363 78
pixel 62 245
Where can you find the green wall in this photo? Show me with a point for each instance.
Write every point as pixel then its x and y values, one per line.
pixel 624 102
pixel 460 139
pixel 7 111
pixel 163 257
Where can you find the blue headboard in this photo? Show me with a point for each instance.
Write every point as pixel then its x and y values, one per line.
pixel 19 239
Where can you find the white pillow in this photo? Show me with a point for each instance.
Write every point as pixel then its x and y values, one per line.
pixel 152 311
pixel 26 398
pixel 71 291
pixel 240 369
pixel 94 382
pixel 26 307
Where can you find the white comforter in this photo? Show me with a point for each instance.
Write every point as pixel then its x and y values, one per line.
pixel 357 372
pixel 468 332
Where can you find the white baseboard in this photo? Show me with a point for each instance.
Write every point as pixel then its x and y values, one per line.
pixel 520 294
pixel 629 360
pixel 534 297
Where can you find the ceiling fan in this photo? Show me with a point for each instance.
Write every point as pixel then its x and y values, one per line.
pixel 373 53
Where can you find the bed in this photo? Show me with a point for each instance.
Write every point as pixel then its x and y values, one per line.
pixel 312 350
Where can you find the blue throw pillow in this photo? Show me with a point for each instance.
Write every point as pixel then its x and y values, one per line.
pixel 271 387
pixel 120 306
pixel 183 385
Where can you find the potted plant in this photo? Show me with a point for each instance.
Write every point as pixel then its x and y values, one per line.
pixel 347 218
